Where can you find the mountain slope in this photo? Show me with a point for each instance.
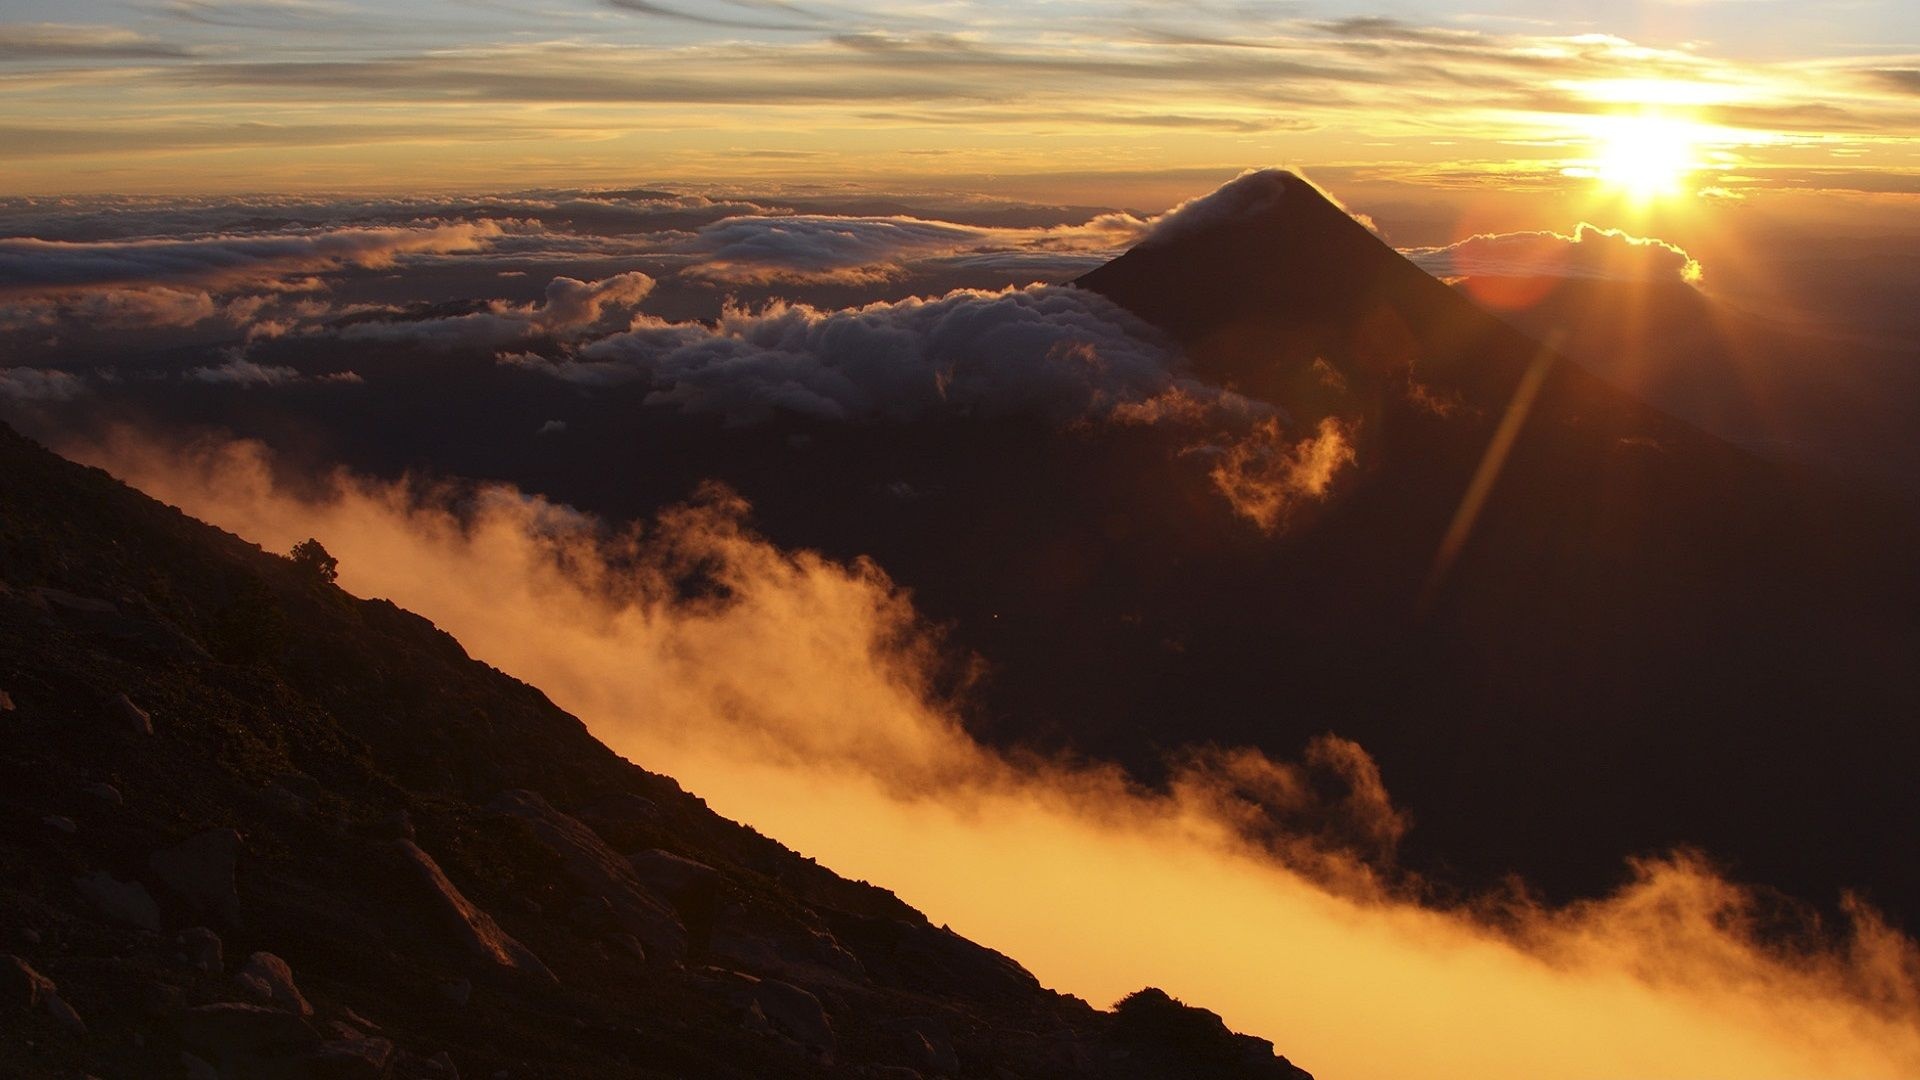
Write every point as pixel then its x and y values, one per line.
pixel 253 826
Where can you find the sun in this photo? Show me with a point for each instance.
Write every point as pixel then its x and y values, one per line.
pixel 1644 156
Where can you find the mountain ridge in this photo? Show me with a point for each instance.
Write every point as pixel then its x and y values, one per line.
pixel 205 744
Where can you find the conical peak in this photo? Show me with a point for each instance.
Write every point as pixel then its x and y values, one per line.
pixel 1254 197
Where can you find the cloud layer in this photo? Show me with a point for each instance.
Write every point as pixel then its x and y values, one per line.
pixel 1050 351
pixel 800 704
pixel 1591 252
pixel 27 263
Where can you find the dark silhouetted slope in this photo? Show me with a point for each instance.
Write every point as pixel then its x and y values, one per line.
pixel 252 826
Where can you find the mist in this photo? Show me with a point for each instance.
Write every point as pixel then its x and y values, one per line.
pixel 795 695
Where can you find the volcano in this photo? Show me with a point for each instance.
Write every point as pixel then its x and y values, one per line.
pixel 1641 637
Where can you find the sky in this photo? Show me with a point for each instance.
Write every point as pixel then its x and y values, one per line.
pixel 1053 99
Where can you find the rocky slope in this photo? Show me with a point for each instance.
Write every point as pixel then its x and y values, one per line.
pixel 253 826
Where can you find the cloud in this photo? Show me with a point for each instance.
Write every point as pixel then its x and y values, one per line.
pixel 795 696
pixel 1053 352
pixel 745 21
pixel 1590 252
pixel 853 249
pixel 109 309
pixel 1268 477
pixel 572 305
pixel 68 41
pixel 1246 197
pixel 27 263
pixel 239 371
pixel 1905 80
pixel 40 384
pixel 819 248
pixel 571 308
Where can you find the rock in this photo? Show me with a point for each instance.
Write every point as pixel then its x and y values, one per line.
pixel 91 615
pixel 267 978
pixel 21 986
pixel 349 1059
pixel 106 793
pixel 60 824
pixel 894 1072
pixel 201 948
pixel 6 702
pixel 395 826
pixel 693 888
pixel 132 717
pixel 410 1066
pixel 626 808
pixel 928 1043
pixel 456 992
pixel 62 1012
pixel 793 1012
pixel 29 935
pixel 472 927
pixel 287 801
pixel 630 945
pixel 930 959
pixel 241 1039
pixel 197 1068
pixel 357 1020
pixel 126 902
pixel 594 915
pixel 597 871
pixel 27 989
pixel 200 870
pixel 1161 1028
pixel 162 1000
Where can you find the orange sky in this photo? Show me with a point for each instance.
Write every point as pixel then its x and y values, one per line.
pixel 254 95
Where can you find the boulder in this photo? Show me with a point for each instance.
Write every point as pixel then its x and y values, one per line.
pixel 630 945
pixel 1159 1028
pixel 927 1042
pixel 26 989
pixel 597 871
pixel 60 824
pixel 201 948
pixel 693 888
pixel 791 1011
pixel 91 615
pixel 240 1040
pixel 6 702
pixel 21 986
pixel 106 793
pixel 130 716
pixel 456 992
pixel 472 927
pixel 125 902
pixel 349 1059
pixel 200 870
pixel 408 1066
pixel 63 1013
pixel 267 978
